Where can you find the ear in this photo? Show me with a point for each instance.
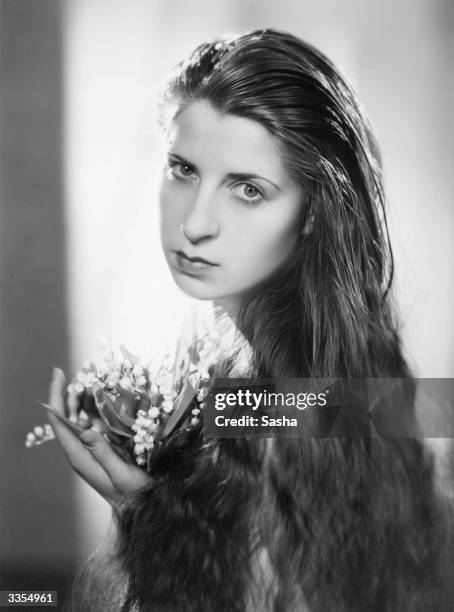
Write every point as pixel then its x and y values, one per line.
pixel 308 226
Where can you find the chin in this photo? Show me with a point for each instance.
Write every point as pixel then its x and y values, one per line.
pixel 194 287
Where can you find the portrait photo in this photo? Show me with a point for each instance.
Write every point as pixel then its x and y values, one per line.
pixel 208 208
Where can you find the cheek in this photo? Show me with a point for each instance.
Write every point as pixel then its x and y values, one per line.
pixel 171 209
pixel 265 246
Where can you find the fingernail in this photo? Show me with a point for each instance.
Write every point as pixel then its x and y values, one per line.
pixel 88 438
pixel 56 373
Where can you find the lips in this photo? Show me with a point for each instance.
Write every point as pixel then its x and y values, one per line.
pixel 195 260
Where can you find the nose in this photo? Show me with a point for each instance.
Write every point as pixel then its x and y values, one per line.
pixel 200 223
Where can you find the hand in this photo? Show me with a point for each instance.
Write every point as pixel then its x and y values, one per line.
pixel 89 453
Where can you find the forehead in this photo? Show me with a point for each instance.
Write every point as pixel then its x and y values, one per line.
pixel 203 135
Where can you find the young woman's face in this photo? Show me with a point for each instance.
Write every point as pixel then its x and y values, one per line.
pixel 227 199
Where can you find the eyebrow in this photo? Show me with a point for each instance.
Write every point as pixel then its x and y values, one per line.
pixel 238 176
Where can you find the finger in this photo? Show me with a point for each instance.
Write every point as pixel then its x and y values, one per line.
pixel 56 390
pixel 84 421
pixel 81 459
pixel 124 476
pixel 73 402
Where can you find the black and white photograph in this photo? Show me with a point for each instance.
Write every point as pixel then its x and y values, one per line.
pixel 226 305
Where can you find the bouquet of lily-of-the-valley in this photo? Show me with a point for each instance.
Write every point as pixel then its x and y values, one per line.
pixel 137 406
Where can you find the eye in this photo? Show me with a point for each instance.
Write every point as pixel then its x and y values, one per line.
pixel 180 170
pixel 247 193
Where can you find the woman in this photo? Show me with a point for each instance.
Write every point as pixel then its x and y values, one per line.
pixel 272 207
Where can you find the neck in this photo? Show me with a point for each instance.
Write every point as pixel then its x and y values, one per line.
pixel 226 307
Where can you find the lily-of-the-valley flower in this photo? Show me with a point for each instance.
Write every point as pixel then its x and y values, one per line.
pixel 135 400
pixel 39 435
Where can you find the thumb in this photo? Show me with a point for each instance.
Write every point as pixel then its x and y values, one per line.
pixel 91 439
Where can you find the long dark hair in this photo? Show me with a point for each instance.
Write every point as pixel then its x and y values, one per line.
pixel 327 313
pixel 345 524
